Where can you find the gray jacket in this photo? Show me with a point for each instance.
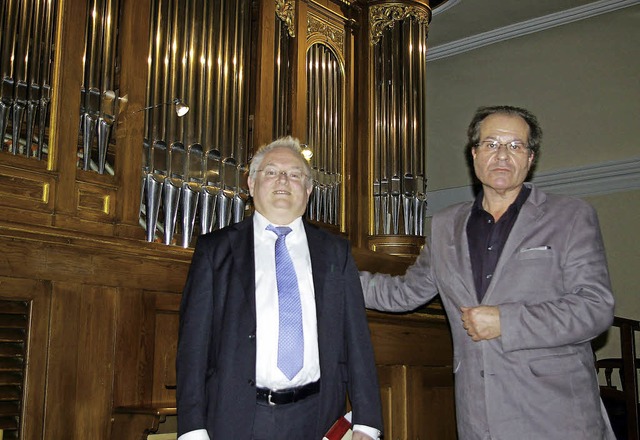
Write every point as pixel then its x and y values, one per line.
pixel 538 380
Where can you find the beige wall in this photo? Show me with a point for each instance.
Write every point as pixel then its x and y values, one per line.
pixel 582 80
pixel 619 216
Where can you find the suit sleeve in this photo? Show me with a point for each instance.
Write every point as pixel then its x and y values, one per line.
pixel 193 340
pixel 363 388
pixel 579 313
pixel 401 293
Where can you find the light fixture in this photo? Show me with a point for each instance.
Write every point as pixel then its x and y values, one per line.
pixel 306 152
pixel 179 106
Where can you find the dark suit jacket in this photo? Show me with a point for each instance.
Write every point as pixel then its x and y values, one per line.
pixel 217 342
pixel 538 380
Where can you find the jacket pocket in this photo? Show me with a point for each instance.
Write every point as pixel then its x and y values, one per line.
pixel 555 364
pixel 531 253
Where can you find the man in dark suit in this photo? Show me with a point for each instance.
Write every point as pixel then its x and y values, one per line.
pixel 232 382
pixel 524 280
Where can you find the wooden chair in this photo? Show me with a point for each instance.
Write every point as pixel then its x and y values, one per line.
pixel 622 404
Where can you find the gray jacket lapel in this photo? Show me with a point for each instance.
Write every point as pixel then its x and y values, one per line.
pixel 530 213
pixel 461 249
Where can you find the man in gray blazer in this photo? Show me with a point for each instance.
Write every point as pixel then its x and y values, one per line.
pixel 523 278
pixel 232 381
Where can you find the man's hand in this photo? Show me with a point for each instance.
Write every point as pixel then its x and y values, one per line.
pixel 357 435
pixel 482 322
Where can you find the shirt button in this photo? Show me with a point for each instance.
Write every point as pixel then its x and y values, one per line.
pixel 490 248
pixel 489 276
pixel 251 382
pixel 489 221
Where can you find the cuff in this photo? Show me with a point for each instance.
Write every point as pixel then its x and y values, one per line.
pixel 198 434
pixel 371 432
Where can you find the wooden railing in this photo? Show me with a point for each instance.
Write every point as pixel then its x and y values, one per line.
pixel 622 404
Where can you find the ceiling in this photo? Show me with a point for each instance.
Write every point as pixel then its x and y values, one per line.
pixel 457 19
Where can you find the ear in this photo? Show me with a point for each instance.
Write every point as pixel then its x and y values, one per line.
pixel 531 156
pixel 251 183
pixel 309 187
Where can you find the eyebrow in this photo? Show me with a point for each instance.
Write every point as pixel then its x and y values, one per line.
pixel 495 138
pixel 271 164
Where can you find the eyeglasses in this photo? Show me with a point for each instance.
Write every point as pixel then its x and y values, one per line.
pixel 513 147
pixel 274 173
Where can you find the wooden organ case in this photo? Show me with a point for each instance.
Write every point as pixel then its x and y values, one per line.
pixel 106 185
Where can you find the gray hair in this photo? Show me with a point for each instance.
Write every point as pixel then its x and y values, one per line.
pixel 287 142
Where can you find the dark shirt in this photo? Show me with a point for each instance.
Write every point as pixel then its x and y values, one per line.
pixel 487 237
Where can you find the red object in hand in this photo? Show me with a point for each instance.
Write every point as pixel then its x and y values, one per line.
pixel 340 430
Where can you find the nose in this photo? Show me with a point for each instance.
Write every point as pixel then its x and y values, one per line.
pixel 502 152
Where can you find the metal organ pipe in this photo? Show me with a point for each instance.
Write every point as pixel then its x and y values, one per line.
pixel 281 80
pixel 324 131
pixel 400 134
pixel 199 53
pixel 26 52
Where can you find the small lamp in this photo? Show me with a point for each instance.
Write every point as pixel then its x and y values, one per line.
pixel 179 106
pixel 306 152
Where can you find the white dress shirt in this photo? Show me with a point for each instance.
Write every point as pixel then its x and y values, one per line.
pixel 268 375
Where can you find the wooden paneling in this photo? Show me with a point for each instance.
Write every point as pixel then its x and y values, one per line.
pixel 95 202
pixel 134 348
pixel 104 340
pixel 79 380
pixel 166 309
pixel 134 50
pixel 430 403
pixel 26 194
pixel 414 357
pixel 396 337
pixel 393 391
pixel 50 253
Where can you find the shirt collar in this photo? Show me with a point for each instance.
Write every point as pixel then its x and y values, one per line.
pixel 260 223
pixel 517 203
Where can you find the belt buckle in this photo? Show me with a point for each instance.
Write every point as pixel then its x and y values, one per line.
pixel 269 399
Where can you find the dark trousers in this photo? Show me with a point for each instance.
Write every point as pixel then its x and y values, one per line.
pixel 296 420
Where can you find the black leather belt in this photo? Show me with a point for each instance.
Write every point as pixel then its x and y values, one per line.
pixel 282 397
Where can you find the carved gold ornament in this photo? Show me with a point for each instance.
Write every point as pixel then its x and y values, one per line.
pixel 332 33
pixel 384 16
pixel 285 10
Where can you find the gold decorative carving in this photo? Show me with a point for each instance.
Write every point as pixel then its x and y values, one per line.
pixel 285 10
pixel 384 16
pixel 333 34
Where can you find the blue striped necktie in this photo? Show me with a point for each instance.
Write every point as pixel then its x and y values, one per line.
pixel 290 336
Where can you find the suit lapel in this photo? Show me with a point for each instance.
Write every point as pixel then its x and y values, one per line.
pixel 242 249
pixel 531 211
pixel 321 266
pixel 461 249
pixel 319 261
